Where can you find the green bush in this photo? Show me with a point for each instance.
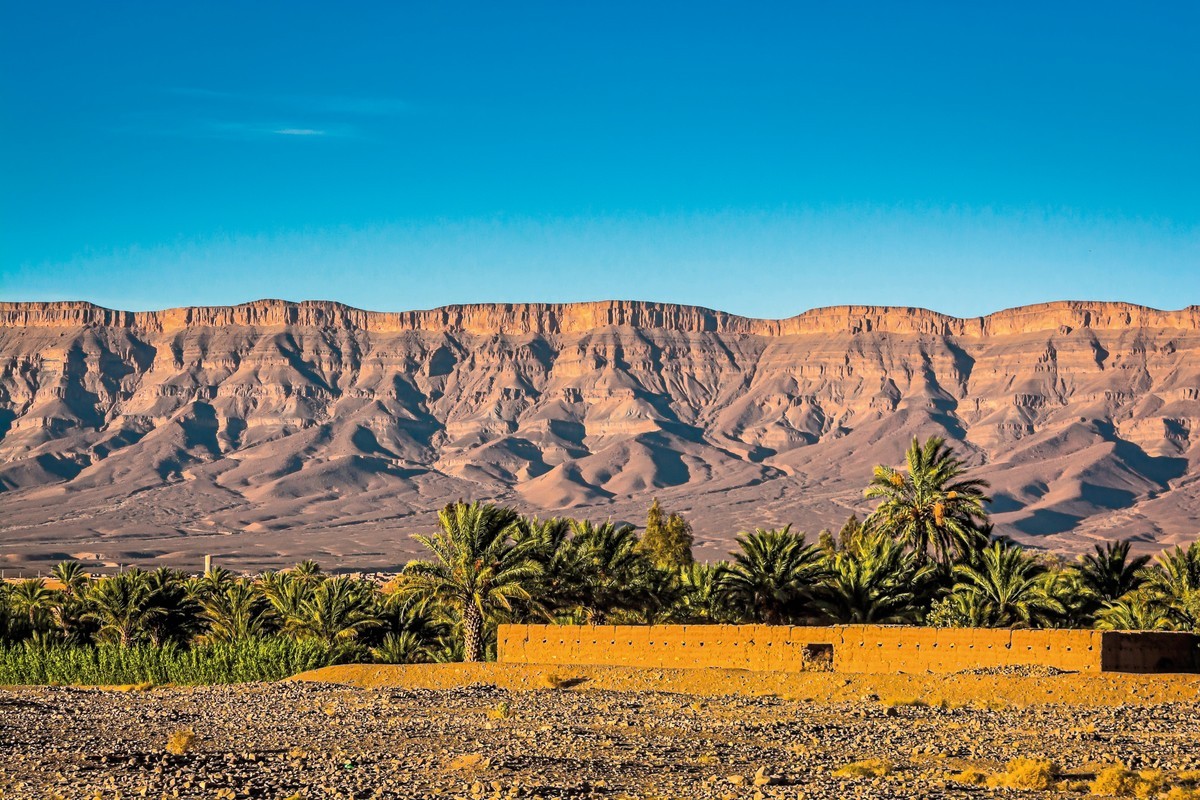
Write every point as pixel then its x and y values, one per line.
pixel 267 659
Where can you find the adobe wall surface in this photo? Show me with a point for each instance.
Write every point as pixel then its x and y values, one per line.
pixel 880 648
pixel 856 648
pixel 1150 651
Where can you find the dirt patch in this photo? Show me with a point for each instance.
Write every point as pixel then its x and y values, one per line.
pixel 1008 687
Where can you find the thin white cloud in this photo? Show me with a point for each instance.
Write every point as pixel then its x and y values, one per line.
pixel 300 132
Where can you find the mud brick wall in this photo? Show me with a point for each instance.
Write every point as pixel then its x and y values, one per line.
pixel 1150 651
pixel 883 648
pixel 757 647
pixel 856 648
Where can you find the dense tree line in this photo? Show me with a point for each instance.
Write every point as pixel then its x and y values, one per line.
pixel 925 555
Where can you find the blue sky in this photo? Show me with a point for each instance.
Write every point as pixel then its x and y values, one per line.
pixel 762 159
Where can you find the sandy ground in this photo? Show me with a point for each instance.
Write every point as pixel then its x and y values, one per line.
pixel 501 731
pixel 1007 688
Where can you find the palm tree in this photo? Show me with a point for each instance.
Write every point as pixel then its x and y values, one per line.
pixel 124 606
pixel 32 600
pixel 1008 585
pixel 615 575
pixel 414 632
pixel 286 594
pixel 308 571
pixel 878 581
pixel 338 610
pixel 1109 573
pixel 560 583
pixel 931 507
pixel 1176 576
pixel 1137 611
pixel 771 576
pixel 72 577
pixel 8 626
pixel 1067 587
pixel 216 579
pixel 235 612
pixel 176 620
pixel 701 599
pixel 959 610
pixel 476 569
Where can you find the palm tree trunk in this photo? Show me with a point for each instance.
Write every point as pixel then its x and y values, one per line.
pixel 472 633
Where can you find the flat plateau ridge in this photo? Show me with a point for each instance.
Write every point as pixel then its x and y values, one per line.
pixel 272 431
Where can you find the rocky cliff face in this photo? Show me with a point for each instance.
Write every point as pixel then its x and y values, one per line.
pixel 271 430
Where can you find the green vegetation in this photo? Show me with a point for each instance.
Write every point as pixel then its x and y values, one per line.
pixel 926 555
pixel 116 665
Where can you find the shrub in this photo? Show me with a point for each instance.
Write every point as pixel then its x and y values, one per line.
pixel 555 681
pixel 867 768
pixel 970 775
pixel 180 741
pixel 1026 773
pixel 904 702
pixel 1116 781
pixel 1180 793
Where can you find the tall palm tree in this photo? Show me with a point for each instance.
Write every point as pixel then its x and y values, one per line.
pixel 930 507
pixel 477 570
pixel 70 601
pixel 1008 585
pixel 235 612
pixel 308 571
pixel 124 606
pixel 771 577
pixel 72 577
pixel 877 581
pixel 1109 572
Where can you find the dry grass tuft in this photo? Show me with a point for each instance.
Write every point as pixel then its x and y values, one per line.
pixel 144 686
pixel 180 741
pixel 1151 783
pixel 1116 781
pixel 904 702
pixel 970 776
pixel 502 710
pixel 867 768
pixel 555 681
pixel 1026 773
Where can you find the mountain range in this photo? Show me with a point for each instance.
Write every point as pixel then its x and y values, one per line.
pixel 272 431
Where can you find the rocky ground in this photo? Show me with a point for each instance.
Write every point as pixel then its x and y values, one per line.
pixel 317 740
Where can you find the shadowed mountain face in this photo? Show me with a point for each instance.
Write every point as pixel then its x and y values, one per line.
pixel 273 431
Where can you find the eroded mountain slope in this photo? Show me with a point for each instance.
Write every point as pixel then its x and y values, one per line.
pixel 271 431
